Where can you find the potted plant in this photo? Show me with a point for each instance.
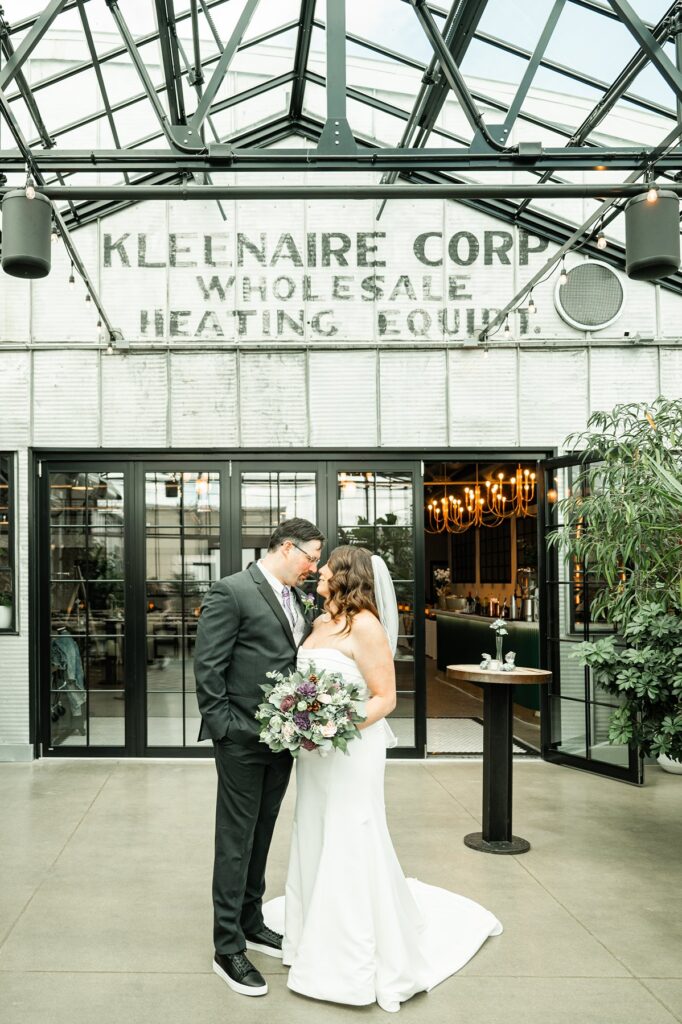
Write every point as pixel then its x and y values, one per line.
pixel 5 611
pixel 622 522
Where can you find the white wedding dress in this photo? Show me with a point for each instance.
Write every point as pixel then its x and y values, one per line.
pixel 355 929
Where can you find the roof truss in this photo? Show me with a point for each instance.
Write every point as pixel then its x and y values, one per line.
pixel 185 151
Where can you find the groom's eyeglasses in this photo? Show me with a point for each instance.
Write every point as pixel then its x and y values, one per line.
pixel 312 559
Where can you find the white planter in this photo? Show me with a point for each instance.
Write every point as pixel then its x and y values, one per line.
pixel 5 616
pixel 669 764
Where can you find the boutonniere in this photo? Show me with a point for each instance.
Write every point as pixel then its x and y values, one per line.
pixel 308 602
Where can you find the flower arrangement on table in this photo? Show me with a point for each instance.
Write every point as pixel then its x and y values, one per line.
pixel 310 710
pixel 442 579
pixel 497 665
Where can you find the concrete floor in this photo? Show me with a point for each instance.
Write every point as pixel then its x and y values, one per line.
pixel 105 911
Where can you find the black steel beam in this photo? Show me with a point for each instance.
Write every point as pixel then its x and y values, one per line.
pixel 454 76
pixel 532 67
pixel 30 41
pixel 165 20
pixel 336 132
pixel 649 44
pixel 218 77
pixel 467 18
pixel 141 69
pixel 573 74
pixel 303 39
pixel 549 190
pixel 225 157
pixel 617 90
pixel 100 78
pixel 119 51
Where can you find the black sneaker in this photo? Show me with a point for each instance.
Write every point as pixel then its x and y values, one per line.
pixel 240 974
pixel 265 941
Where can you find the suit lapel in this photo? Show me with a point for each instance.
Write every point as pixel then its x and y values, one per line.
pixel 268 593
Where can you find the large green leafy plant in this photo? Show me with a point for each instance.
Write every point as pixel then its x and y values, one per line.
pixel 622 522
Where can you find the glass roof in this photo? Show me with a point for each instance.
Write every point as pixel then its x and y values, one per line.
pixel 79 89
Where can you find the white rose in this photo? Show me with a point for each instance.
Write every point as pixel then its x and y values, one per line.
pixel 324 698
pixel 275 724
pixel 328 729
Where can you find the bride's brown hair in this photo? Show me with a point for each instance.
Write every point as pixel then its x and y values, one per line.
pixel 351 585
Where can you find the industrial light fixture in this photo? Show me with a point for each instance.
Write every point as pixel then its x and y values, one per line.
pixel 563 276
pixel 532 308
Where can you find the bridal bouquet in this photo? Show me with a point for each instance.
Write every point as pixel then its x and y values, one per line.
pixel 314 710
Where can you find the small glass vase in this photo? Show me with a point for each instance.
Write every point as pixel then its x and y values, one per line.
pixel 499 640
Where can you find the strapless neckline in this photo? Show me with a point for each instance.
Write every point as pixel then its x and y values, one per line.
pixel 334 650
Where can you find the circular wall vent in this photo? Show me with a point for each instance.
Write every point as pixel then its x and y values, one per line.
pixel 592 298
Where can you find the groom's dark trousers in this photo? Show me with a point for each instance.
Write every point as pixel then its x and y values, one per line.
pixel 242 634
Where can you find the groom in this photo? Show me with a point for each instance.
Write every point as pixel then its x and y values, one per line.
pixel 251 623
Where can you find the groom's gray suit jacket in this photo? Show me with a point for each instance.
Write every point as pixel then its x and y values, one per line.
pixel 242 634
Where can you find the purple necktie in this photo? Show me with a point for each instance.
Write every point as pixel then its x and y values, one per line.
pixel 286 601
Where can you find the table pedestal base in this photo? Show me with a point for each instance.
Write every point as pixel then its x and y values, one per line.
pixel 476 841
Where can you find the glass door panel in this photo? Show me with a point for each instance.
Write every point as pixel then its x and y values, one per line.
pixel 268 498
pixel 182 560
pixel 86 691
pixel 576 711
pixel 375 509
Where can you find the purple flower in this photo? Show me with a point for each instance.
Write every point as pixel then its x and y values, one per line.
pixel 302 721
pixel 307 689
pixel 287 703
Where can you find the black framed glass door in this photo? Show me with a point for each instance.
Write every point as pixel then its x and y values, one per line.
pixel 575 709
pixel 130 547
pixel 85 648
pixel 373 503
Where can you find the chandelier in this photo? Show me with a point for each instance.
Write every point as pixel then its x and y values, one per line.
pixel 482 504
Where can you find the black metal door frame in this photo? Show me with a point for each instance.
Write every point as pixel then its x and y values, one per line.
pixel 135 463
pixel 548 575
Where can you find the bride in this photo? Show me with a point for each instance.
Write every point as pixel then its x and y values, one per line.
pixel 355 929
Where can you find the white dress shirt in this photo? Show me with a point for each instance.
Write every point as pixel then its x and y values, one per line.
pixel 278 587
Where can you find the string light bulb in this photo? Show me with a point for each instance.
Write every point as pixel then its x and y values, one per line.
pixel 54 235
pixel 652 194
pixel 532 308
pixel 563 276
pixel 110 348
pixel 507 328
pixel 30 187
pixel 601 237
pixel 87 297
pixel 72 279
pixel 99 327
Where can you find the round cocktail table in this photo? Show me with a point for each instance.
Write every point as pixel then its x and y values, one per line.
pixel 496 836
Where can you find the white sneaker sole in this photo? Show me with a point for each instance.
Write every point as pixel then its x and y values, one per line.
pixel 268 950
pixel 243 990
